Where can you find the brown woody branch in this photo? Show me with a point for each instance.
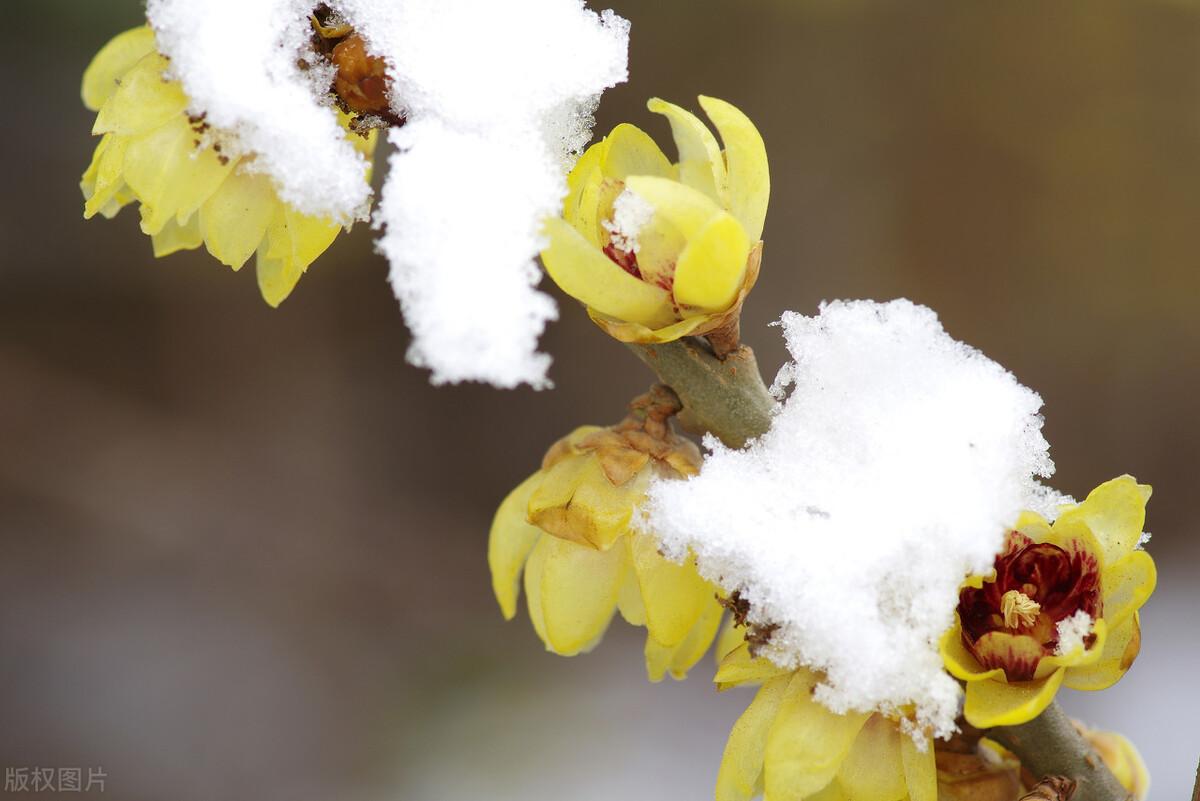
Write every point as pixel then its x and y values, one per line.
pixel 725 397
pixel 1050 745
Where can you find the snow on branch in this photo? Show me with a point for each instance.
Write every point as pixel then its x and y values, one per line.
pixel 890 472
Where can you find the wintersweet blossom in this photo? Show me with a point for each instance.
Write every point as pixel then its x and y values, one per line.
pixel 791 747
pixel 1060 608
pixel 566 528
pixel 660 250
pixel 193 184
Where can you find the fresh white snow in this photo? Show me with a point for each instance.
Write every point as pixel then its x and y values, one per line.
pixel 499 99
pixel 890 472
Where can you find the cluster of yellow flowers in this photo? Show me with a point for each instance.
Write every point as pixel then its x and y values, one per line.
pixel 191 189
pixel 657 251
pixel 685 271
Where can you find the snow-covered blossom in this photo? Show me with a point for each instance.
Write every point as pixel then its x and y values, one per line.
pixel 889 474
pixel 1061 607
pixel 489 102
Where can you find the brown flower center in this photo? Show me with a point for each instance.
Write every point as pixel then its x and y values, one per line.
pixel 1011 622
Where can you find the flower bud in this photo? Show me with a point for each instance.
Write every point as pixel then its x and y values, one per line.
pixel 657 250
pixel 567 530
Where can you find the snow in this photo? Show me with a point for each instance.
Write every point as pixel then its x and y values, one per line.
pixel 890 473
pixel 238 63
pixel 499 100
pixel 631 214
pixel 1072 631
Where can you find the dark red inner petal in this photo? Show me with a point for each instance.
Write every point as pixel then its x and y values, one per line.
pixel 1061 582
pixel 625 259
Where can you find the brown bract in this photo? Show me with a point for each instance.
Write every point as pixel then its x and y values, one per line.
pixel 362 82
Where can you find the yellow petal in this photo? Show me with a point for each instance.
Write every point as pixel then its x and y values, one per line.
pixel 586 274
pixel 510 540
pixel 688 210
pixel 1033 525
pixel 678 660
pixel 145 100
pixel 961 663
pixel 732 635
pixel 175 237
pixel 675 595
pixel 630 151
pixel 1078 656
pixel 920 770
pixel 1116 514
pixel 104 180
pixel 995 703
pixel 1126 585
pixel 576 501
pixel 578 593
pixel 807 742
pixel 739 667
pixel 629 599
pixel 581 205
pixel 292 243
pixel 235 218
pixel 168 175
pixel 103 75
pixel 831 792
pixel 746 156
pixel 742 762
pixel 535 569
pixel 701 165
pixel 712 267
pixel 1119 651
pixel 873 770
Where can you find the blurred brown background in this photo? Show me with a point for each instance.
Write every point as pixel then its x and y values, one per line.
pixel 244 549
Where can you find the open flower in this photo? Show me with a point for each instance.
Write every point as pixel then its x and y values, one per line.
pixel 567 528
pixel 789 746
pixel 194 186
pixel 1060 609
pixel 657 250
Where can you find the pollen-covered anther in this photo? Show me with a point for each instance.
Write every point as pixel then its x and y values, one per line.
pixel 1019 610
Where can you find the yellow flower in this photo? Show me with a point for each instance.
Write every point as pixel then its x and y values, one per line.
pixel 790 747
pixel 1121 757
pixel 657 250
pixel 567 528
pixel 191 193
pixel 1080 581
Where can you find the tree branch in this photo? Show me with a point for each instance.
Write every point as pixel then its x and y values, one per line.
pixel 726 397
pixel 1050 745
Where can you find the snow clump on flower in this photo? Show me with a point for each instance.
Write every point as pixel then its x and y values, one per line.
pixel 891 472
pixel 498 99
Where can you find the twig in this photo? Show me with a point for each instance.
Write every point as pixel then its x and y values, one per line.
pixel 1196 786
pixel 1051 788
pixel 1049 745
pixel 726 397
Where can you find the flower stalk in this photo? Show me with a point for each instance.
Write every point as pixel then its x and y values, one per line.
pixel 724 397
pixel 1050 745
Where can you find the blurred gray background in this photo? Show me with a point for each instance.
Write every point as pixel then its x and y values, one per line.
pixel 244 549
